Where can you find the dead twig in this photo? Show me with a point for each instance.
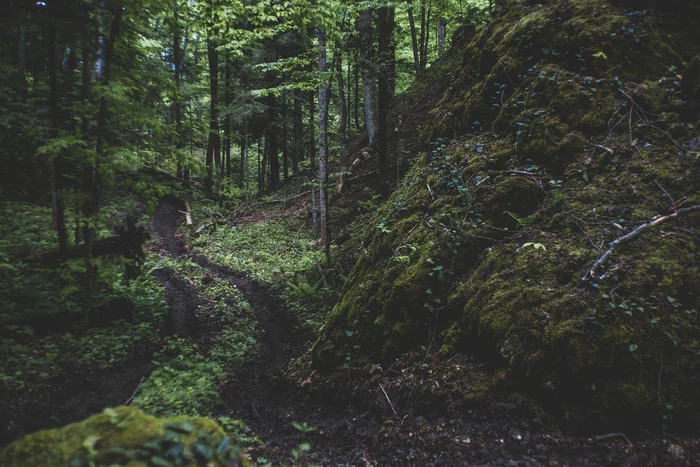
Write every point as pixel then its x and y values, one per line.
pixel 137 390
pixel 635 233
pixel 665 192
pixel 387 399
pixel 609 436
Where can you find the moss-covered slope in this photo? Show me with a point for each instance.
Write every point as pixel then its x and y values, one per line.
pixel 125 436
pixel 567 125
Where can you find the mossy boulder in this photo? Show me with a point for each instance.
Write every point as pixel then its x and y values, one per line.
pixel 126 436
pixel 564 127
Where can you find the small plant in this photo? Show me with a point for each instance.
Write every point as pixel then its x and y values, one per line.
pixel 303 427
pixel 239 431
pixel 536 246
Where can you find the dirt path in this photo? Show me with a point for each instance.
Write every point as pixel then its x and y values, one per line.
pixel 377 419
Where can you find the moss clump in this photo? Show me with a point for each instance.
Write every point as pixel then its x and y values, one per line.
pixel 126 436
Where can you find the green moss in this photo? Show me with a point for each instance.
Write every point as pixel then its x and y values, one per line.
pixel 122 433
pixel 539 77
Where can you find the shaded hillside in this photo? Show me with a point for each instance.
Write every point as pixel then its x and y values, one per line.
pixel 565 126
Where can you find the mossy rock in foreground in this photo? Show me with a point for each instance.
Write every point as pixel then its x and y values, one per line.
pixel 126 436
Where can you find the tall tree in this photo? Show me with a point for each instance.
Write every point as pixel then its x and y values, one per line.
pixel 322 141
pixel 369 82
pixel 342 112
pixel 386 83
pixel 213 141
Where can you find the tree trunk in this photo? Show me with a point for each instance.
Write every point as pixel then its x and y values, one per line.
pixel 213 139
pixel 386 82
pixel 57 204
pixel 177 103
pixel 227 119
pixel 414 39
pixel 322 139
pixel 369 84
pixel 426 27
pixel 356 112
pixel 342 112
pixel 441 34
pixel 285 144
pixel 314 206
pixel 262 163
pixel 297 130
pixel 272 133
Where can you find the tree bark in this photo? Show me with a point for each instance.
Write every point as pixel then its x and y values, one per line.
pixel 386 83
pixel 342 111
pixel 227 119
pixel 314 206
pixel 177 103
pixel 272 133
pixel 369 82
pixel 441 34
pixel 414 39
pixel 297 136
pixel 427 36
pixel 213 139
pixel 356 112
pixel 322 139
pixel 285 144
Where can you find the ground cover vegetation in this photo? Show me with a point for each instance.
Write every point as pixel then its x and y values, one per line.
pixel 436 232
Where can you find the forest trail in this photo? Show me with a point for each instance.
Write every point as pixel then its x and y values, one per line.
pixel 258 393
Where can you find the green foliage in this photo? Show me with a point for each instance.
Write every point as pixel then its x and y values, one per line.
pixel 239 432
pixel 270 251
pixel 185 383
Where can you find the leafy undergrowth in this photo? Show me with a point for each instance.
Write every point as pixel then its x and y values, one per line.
pixel 269 251
pixel 190 369
pixel 48 338
pixel 540 158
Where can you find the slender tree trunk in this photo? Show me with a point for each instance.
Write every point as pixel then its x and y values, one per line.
pixel 356 112
pixel 386 83
pixel 242 162
pixel 58 207
pixel 322 140
pixel 421 48
pixel 227 119
pixel 348 107
pixel 414 39
pixel 285 144
pixel 369 82
pixel 177 103
pixel 441 35
pixel 312 154
pixel 426 27
pixel 262 163
pixel 342 112
pixel 272 133
pixel 213 139
pixel 297 129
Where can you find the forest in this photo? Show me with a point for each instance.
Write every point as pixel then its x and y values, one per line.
pixel 349 233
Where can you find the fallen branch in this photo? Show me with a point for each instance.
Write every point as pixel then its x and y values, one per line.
pixel 387 399
pixel 609 436
pixel 633 234
pixel 137 390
